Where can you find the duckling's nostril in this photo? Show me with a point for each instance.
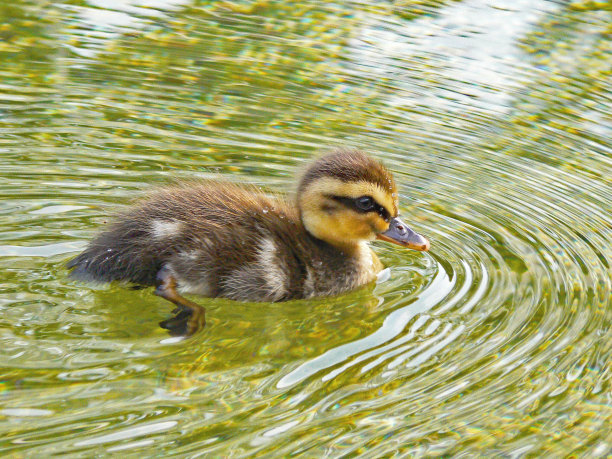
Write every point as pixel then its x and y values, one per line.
pixel 401 229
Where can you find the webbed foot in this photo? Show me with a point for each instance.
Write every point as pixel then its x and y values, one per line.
pixel 189 316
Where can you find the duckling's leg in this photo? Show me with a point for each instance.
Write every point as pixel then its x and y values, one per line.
pixel 189 318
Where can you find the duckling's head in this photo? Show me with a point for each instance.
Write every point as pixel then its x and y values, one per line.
pixel 347 197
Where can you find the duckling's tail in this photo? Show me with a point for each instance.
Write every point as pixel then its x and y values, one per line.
pixel 119 254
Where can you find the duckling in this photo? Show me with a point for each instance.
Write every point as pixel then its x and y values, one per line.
pixel 225 240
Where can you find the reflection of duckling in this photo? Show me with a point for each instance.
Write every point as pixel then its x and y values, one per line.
pixel 224 240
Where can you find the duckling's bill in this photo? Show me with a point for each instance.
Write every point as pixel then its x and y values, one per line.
pixel 399 233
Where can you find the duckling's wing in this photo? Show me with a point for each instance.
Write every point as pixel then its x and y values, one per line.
pixel 241 248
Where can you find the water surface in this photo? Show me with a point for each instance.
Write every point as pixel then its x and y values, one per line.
pixel 494 117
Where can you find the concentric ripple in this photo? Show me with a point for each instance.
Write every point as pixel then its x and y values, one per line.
pixel 494 117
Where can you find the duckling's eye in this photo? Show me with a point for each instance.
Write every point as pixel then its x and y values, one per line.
pixel 365 203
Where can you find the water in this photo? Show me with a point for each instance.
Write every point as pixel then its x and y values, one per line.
pixel 494 117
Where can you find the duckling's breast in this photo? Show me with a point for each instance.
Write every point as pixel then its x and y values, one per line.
pixel 332 272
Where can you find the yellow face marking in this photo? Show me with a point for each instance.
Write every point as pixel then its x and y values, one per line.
pixel 331 186
pixel 332 222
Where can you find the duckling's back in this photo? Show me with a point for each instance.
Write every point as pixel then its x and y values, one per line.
pixel 217 239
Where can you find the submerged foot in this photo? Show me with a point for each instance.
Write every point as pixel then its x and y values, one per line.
pixel 186 322
pixel 179 324
pixel 189 316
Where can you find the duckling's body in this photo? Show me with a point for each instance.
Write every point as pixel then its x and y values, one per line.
pixel 223 240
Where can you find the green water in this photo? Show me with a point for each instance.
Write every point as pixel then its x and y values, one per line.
pixel 495 118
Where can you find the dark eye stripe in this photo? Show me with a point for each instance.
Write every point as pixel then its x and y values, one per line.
pixel 351 203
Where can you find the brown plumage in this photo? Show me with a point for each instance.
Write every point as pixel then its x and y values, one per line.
pixel 224 240
pixel 349 166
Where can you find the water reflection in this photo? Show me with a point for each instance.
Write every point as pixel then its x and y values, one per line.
pixel 392 326
pixel 471 50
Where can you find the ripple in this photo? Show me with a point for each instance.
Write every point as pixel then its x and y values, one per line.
pixel 129 433
pixel 392 326
pixel 48 250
